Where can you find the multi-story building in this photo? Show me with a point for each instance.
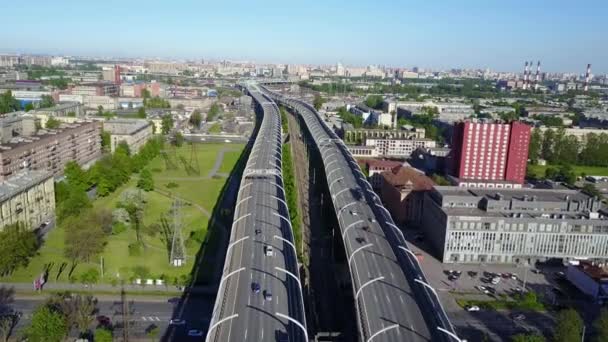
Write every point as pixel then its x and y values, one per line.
pixel 9 61
pixel 375 168
pixel 27 197
pixel 96 89
pixel 399 148
pixel 135 132
pixel 50 150
pixel 16 124
pixel 62 109
pixel 579 133
pixel 514 226
pixel 362 134
pixel 490 152
pixel 402 191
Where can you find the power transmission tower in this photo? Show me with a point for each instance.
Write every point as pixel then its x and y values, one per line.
pixel 178 252
pixel 194 160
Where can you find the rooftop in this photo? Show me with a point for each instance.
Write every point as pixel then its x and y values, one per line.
pixel 545 195
pixel 597 272
pixel 21 181
pixel 41 134
pixel 408 177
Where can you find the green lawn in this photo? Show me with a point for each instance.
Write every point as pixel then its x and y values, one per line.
pixel 539 170
pixel 230 159
pixel 117 262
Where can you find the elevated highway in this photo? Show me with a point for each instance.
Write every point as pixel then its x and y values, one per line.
pixel 260 296
pixel 392 297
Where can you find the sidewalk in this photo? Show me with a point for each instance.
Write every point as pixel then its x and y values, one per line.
pixel 169 290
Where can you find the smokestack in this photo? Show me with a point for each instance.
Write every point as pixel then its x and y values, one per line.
pixel 588 77
pixel 525 76
pixel 537 80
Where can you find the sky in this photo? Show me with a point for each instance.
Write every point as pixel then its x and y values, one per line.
pixel 564 35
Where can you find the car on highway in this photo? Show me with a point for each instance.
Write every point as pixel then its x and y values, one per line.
pixel 195 333
pixel 518 317
pixel 267 295
pixel 255 287
pixel 472 308
pixel 536 271
pixel 177 321
pixel 258 231
pixel 268 250
pixel 360 239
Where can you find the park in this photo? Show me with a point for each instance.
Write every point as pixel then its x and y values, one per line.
pixel 186 184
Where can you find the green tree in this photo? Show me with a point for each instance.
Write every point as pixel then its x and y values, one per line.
pixel 46 101
pixel 17 245
pixel 141 113
pixel 145 94
pixel 105 141
pixel 568 327
pixel 46 326
pixel 71 114
pixel 7 324
pixel 178 139
pixel 146 182
pixel 528 338
pixel 103 335
pixel 100 110
pixel 318 101
pixel 213 112
pixel 52 123
pixel 536 141
pixel 374 101
pixel 547 145
pixel 152 332
pixel 75 175
pixel 84 238
pixel 123 148
pixel 8 103
pixel 601 326
pixel 90 276
pixel 28 106
pixel 215 128
pixel 196 118
pixel 167 124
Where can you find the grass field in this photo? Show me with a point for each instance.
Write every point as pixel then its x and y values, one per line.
pixel 118 264
pixel 539 170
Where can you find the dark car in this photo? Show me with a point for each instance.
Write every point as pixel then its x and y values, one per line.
pixel 360 239
pixel 255 287
pixel 472 274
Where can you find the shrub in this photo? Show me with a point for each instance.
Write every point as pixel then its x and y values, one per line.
pixel 172 185
pixel 141 272
pixel 118 228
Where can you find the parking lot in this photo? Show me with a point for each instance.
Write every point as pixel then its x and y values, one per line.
pixel 474 282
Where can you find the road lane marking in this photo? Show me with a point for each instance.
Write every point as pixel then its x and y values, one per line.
pixel 262 338
pixel 245 334
pixel 401 299
pixel 387 300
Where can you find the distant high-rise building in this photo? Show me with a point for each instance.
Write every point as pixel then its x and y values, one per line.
pixel 490 151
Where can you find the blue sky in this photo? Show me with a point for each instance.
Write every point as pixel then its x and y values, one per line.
pixel 500 34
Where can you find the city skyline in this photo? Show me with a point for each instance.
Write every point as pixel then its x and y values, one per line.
pixel 473 35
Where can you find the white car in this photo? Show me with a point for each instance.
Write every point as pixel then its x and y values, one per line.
pixel 177 321
pixel 268 250
pixel 471 308
pixel 195 333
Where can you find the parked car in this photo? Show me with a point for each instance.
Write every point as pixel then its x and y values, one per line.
pixel 471 308
pixel 177 321
pixel 195 333
pixel 518 317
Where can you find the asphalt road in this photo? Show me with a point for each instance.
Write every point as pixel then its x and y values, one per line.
pixel 143 313
pixel 261 220
pixel 387 306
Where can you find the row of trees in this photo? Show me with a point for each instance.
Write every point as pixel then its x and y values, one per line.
pixel 106 175
pixel 8 103
pixel 556 147
pixel 18 243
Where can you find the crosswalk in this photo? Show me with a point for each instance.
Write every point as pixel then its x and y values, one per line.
pixel 150 318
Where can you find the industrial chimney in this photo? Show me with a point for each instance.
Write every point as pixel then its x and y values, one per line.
pixel 525 76
pixel 537 80
pixel 588 77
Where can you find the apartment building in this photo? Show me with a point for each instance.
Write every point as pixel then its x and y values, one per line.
pixel 398 148
pixel 62 109
pixel 134 132
pixel 490 152
pixel 27 197
pixel 50 150
pixel 360 135
pixel 96 89
pixel 514 226
pixel 16 124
